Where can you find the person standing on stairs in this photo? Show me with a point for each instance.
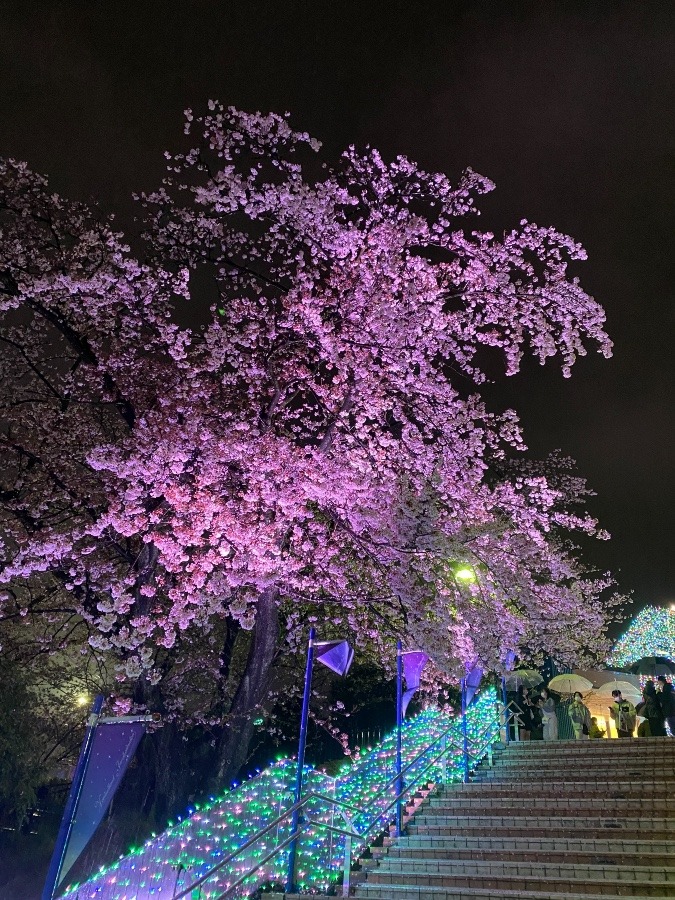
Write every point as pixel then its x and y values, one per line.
pixel 650 709
pixel 524 712
pixel 548 715
pixel 623 713
pixel 580 717
pixel 666 698
pixel 536 734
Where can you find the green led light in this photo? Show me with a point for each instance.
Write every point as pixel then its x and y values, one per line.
pixel 189 849
pixel 651 633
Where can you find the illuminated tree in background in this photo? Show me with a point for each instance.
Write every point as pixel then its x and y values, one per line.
pixel 651 633
pixel 318 449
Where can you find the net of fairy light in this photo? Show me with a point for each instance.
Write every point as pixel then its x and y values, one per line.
pixel 190 847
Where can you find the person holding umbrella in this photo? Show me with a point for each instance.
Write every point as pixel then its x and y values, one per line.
pixel 580 717
pixel 651 710
pixel 516 681
pixel 524 712
pixel 666 697
pixel 548 715
pixel 623 713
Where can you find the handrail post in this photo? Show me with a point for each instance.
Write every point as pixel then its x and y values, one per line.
pixel 465 734
pixel 332 822
pixel 444 760
pixel 347 869
pixel 399 720
pixel 295 818
pixel 506 712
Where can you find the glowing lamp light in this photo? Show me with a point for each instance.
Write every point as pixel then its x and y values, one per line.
pixel 465 575
pixel 82 700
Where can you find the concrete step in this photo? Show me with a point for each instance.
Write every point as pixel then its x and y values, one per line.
pixel 567 775
pixel 368 891
pixel 529 827
pixel 580 805
pixel 519 819
pixel 569 819
pixel 562 885
pixel 589 748
pixel 573 762
pixel 555 852
pixel 595 789
pixel 509 869
pixel 570 743
pixel 656 764
pixel 608 843
pixel 575 758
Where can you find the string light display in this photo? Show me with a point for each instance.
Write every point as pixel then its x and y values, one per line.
pixel 191 847
pixel 651 633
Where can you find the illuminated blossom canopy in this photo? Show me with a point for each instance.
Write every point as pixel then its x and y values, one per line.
pixel 313 446
pixel 651 633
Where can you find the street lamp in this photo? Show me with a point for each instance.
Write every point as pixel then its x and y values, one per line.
pixel 465 575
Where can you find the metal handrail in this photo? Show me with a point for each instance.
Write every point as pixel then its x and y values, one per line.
pixel 258 865
pixel 394 778
pixel 340 804
pixel 362 809
pixel 406 790
pixel 491 728
pixel 249 843
pixel 416 780
pixel 511 713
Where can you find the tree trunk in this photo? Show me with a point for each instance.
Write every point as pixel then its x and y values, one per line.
pixel 251 692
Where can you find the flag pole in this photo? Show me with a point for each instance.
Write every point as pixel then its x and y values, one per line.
pixel 52 882
pixel 399 721
pixel 290 874
pixel 506 711
pixel 465 735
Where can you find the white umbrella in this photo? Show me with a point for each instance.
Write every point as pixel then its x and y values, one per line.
pixel 569 683
pixel 628 691
pixel 526 677
pixel 604 676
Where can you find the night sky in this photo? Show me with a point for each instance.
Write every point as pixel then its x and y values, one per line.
pixel 568 107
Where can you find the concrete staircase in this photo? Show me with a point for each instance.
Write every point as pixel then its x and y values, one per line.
pixel 575 819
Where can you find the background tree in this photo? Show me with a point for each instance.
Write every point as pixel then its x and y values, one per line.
pixel 316 450
pixel 48 677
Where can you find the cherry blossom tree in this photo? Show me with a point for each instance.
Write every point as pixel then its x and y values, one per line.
pixel 318 450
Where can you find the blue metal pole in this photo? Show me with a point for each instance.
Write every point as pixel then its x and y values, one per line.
pixel 465 735
pixel 399 723
pixel 54 873
pixel 290 874
pixel 506 712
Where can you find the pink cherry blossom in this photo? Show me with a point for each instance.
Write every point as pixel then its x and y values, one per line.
pixel 320 439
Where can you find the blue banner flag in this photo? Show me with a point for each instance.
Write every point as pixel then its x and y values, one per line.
pixel 413 663
pixel 335 655
pixel 113 747
pixel 473 680
pixel 510 660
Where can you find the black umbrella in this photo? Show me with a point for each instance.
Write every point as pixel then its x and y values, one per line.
pixel 654 666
